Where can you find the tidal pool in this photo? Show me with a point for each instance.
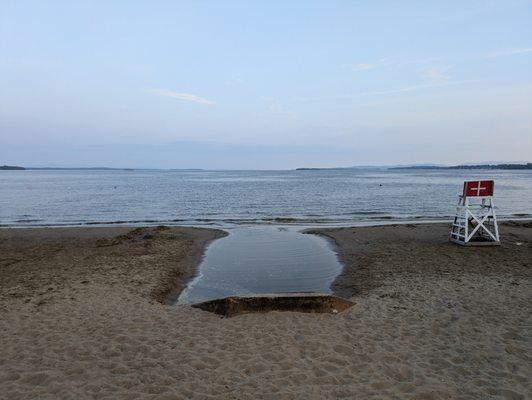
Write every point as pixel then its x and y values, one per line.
pixel 258 260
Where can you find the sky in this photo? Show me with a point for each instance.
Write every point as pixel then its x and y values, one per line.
pixel 264 84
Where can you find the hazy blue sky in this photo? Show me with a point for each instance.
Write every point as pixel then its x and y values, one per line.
pixel 264 84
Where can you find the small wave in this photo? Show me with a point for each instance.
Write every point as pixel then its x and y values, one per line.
pixel 366 213
pixel 138 221
pixel 284 219
pixel 341 219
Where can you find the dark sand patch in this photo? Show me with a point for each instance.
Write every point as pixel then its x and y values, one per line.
pixel 300 302
pixel 152 262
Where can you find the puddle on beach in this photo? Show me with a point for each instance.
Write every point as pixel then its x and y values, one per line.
pixel 258 260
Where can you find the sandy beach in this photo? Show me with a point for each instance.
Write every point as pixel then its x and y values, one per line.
pixel 85 314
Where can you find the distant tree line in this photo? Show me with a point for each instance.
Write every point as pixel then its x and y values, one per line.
pixel 483 166
pixel 10 167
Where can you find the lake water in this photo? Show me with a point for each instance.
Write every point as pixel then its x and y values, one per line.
pixel 233 198
pixel 262 210
pixel 258 260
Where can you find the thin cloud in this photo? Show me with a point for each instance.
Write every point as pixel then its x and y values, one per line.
pixel 438 74
pixel 192 98
pixel 363 67
pixel 388 63
pixel 403 89
pixel 400 90
pixel 509 52
pixel 236 81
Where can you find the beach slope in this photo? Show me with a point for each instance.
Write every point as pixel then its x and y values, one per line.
pixel 84 316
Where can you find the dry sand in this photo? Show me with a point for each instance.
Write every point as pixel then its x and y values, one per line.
pixel 83 317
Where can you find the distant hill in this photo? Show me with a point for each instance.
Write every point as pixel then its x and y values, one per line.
pixel 11 168
pixel 475 166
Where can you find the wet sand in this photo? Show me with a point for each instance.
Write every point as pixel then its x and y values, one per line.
pixel 83 316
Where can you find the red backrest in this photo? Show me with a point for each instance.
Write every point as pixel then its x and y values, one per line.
pixel 478 188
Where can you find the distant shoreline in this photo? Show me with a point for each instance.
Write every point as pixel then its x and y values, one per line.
pixel 17 168
pixel 430 167
pixel 80 169
pixel 11 168
pixel 527 166
pixel 485 166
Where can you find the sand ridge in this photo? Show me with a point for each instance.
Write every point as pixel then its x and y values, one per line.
pixel 152 262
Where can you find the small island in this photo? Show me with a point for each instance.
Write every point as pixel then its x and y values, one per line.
pixel 11 168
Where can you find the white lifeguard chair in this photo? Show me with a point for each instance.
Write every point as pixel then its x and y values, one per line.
pixel 475 223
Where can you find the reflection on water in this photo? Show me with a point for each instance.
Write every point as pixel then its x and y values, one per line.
pixel 255 260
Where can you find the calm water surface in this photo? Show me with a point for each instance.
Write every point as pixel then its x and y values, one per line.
pixel 228 198
pixel 259 259
pixel 255 257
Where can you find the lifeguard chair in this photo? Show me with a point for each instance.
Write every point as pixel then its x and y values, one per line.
pixel 475 223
